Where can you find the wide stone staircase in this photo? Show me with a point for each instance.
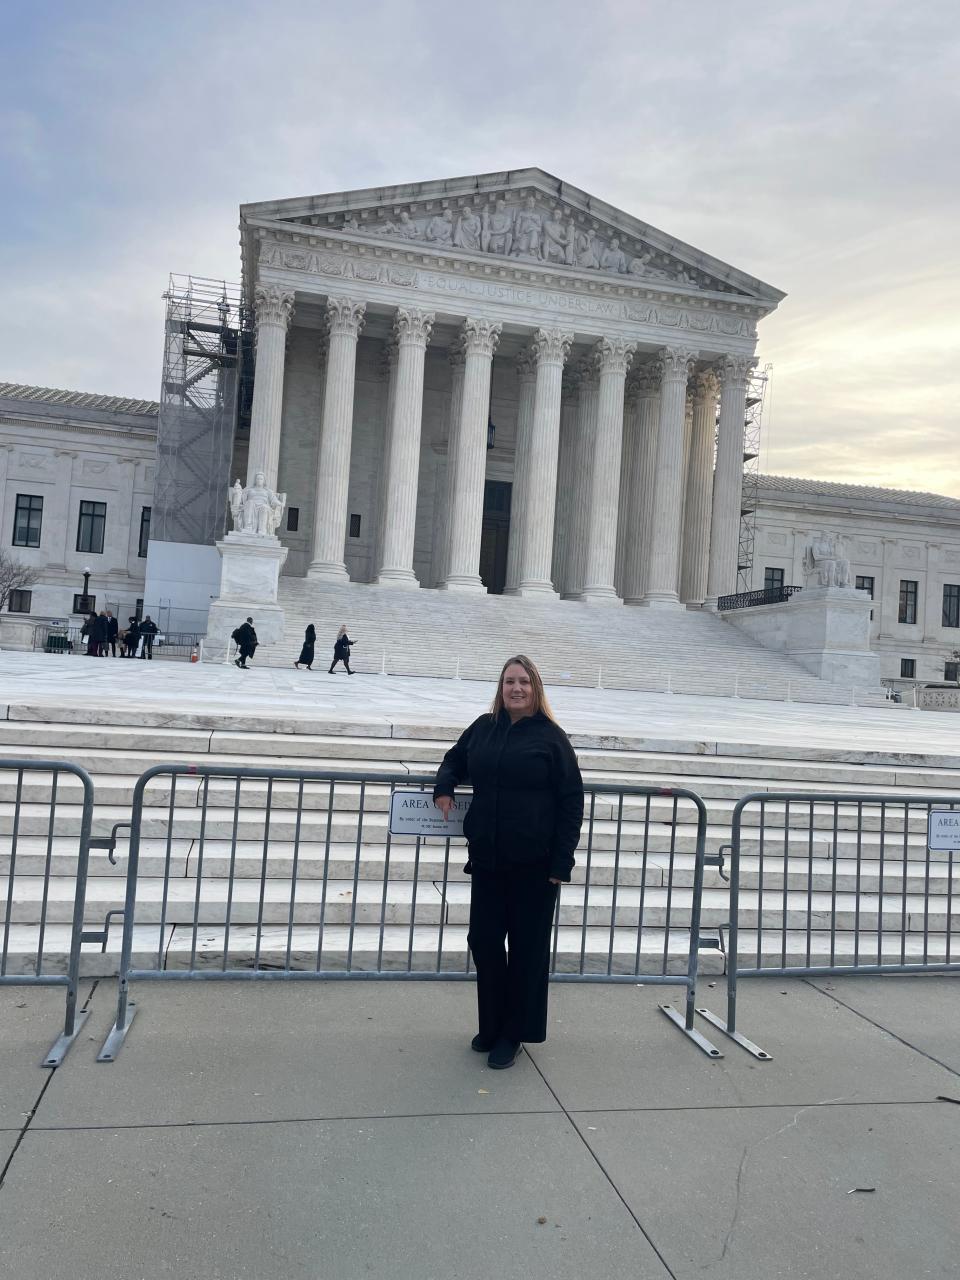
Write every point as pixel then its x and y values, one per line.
pixel 318 882
pixel 427 632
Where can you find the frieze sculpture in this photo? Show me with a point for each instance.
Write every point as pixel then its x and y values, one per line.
pixel 825 562
pixel 256 509
pixel 524 232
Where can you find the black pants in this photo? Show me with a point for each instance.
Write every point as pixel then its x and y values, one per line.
pixel 345 660
pixel 516 906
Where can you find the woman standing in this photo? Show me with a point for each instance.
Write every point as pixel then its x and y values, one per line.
pixel 306 653
pixel 522 828
pixel 341 651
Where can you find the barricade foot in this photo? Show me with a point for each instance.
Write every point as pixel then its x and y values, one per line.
pixel 63 1041
pixel 116 1036
pixel 736 1037
pixel 702 1043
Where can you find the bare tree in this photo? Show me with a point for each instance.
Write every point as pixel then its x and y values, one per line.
pixel 14 576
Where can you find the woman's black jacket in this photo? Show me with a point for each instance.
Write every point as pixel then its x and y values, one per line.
pixel 527 805
pixel 342 646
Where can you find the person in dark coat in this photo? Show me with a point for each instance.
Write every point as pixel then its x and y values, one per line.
pixel 131 638
pixel 306 653
pixel 101 632
pixel 148 629
pixel 522 828
pixel 341 651
pixel 89 629
pixel 246 639
pixel 113 630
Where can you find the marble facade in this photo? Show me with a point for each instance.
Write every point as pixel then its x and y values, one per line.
pixel 395 327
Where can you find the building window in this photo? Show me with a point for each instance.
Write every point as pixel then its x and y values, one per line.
pixel 27 520
pixel 144 531
pixel 908 668
pixel 84 604
pixel 951 604
pixel 354 526
pixel 20 601
pixel 951 671
pixel 293 519
pixel 772 579
pixel 908 601
pixel 93 519
pixel 138 608
pixel 865 584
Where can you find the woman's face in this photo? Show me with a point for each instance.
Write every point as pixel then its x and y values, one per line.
pixel 517 690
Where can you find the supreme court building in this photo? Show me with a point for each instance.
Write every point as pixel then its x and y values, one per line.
pixel 498 383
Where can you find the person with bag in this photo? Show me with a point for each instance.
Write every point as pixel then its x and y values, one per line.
pixel 131 638
pixel 306 652
pixel 148 629
pixel 89 629
pixel 341 651
pixel 522 829
pixel 246 641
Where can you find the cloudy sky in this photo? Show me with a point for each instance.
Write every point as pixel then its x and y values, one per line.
pixel 811 143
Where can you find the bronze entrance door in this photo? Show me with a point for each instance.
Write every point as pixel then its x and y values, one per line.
pixel 495 535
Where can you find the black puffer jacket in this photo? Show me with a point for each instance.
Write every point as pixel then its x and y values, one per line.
pixel 527 805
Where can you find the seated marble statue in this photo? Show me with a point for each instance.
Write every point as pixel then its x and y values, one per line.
pixel 256 510
pixel 497 235
pixel 440 228
pixel 527 230
pixel 556 245
pixel 405 228
pixel 469 230
pixel 825 563
pixel 587 250
pixel 613 259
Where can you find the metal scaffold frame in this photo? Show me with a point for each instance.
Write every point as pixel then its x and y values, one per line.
pixel 753 419
pixel 207 358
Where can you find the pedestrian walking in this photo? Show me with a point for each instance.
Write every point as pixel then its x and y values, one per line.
pixel 131 638
pixel 306 652
pixel 89 629
pixel 148 629
pixel 341 651
pixel 101 630
pixel 246 639
pixel 113 631
pixel 522 828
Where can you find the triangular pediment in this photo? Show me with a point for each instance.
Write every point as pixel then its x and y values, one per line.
pixel 525 216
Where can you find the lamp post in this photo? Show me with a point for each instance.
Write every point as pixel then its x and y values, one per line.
pixel 84 603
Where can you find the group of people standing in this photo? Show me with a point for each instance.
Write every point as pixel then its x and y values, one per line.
pixel 103 635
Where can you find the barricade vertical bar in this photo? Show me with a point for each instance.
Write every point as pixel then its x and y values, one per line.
pixel 586 886
pixel 413 903
pixel 786 878
pixel 165 893
pixel 326 875
pixel 735 883
pixel 51 827
pixel 443 901
pixel 833 883
pixel 386 880
pixel 949 906
pixel 14 840
pixel 883 836
pixel 668 915
pixel 903 882
pixel 926 893
pixel 263 871
pixel 616 880
pixel 356 874
pixel 294 871
pixel 233 864
pixel 809 881
pixel 204 793
pixel 857 883
pixel 644 853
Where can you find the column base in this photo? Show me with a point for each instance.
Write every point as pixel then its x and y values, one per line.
pixel 536 590
pixel 599 595
pixel 662 600
pixel 468 584
pixel 328 572
pixel 402 578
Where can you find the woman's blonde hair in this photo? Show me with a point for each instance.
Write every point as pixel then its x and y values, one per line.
pixel 540 702
pixel 342 631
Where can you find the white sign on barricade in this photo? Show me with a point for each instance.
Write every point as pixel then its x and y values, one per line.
pixel 413 813
pixel 943 829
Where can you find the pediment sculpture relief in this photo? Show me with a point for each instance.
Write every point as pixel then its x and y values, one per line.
pixel 526 231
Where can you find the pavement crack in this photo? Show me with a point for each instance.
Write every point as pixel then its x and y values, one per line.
pixel 736 1208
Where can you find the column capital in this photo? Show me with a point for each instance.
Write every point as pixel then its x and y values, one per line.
pixel 706 385
pixel 675 363
pixel 273 304
pixel 733 369
pixel 413 327
pixel 613 355
pixel 345 316
pixel 527 364
pixel 480 337
pixel 551 346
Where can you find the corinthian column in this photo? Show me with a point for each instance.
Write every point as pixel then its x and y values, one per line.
pixel 586 429
pixel 628 519
pixel 613 356
pixel 413 328
pixel 636 557
pixel 699 496
pixel 551 348
pixel 345 320
pixel 728 479
pixel 480 338
pixel 663 563
pixel 527 375
pixel 274 310
pixel 441 553
pixel 565 478
pixel 388 372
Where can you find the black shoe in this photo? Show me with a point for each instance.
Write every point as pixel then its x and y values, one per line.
pixel 480 1044
pixel 504 1054
pixel 236 662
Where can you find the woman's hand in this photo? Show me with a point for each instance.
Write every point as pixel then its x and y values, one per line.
pixel 554 880
pixel 444 804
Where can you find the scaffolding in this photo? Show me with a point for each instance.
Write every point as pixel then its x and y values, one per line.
pixel 205 397
pixel 753 418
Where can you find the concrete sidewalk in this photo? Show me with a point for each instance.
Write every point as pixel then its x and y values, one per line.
pixel 345 1130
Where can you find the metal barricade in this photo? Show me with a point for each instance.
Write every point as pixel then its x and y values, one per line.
pixel 840 884
pixel 291 874
pixel 44 823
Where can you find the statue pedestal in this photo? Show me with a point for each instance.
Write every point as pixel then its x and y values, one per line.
pixel 825 629
pixel 249 577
